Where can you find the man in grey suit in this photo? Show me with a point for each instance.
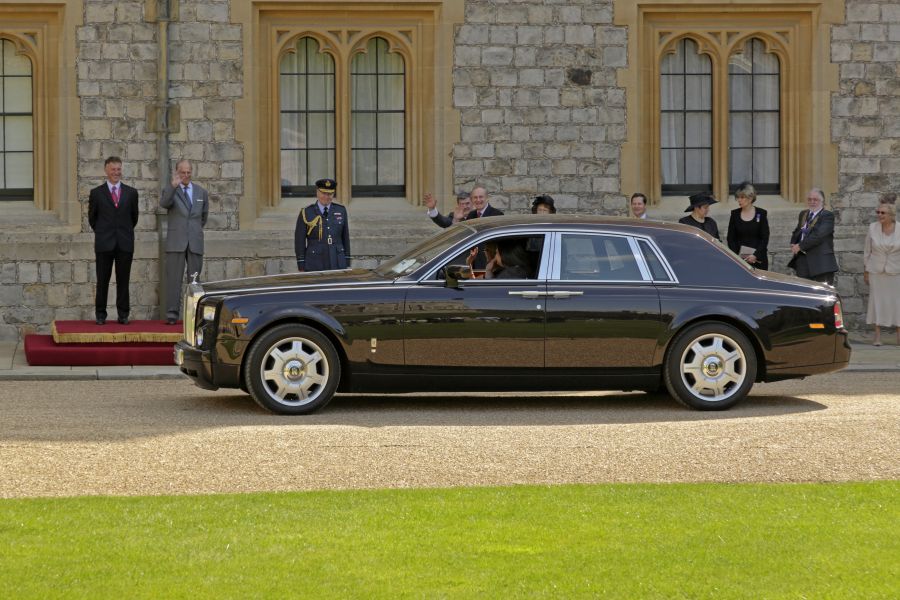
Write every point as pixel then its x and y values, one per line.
pixel 812 242
pixel 188 206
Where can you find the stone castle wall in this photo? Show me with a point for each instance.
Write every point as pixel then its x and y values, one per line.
pixel 535 84
pixel 865 123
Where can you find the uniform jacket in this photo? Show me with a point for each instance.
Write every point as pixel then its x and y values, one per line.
pixel 322 244
pixel 882 252
pixel 816 255
pixel 113 227
pixel 761 242
pixel 184 229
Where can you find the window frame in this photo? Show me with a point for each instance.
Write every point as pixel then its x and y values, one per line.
pixel 760 186
pixel 678 189
pixel 306 191
pixel 342 45
pixel 8 194
pixel 377 189
pixel 799 32
pixel 427 29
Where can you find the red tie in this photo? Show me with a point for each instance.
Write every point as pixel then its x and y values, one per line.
pixel 115 195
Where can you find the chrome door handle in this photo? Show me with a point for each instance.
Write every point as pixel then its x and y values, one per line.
pixel 528 294
pixel 564 294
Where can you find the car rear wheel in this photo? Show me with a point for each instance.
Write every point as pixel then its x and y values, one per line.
pixel 710 366
pixel 292 370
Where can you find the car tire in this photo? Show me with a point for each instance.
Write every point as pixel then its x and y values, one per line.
pixel 710 366
pixel 292 370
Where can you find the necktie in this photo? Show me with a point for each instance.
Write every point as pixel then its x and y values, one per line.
pixel 805 229
pixel 190 200
pixel 115 196
pixel 325 214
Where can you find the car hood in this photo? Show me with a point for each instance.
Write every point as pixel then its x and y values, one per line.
pixel 342 278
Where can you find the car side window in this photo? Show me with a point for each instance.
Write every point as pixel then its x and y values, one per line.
pixel 524 255
pixel 657 270
pixel 586 257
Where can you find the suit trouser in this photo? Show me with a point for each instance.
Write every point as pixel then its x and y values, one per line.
pixel 175 263
pixel 105 262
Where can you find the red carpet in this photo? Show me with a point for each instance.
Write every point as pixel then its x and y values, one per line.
pixel 42 351
pixel 66 332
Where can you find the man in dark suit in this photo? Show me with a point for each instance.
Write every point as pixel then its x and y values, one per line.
pixel 113 214
pixel 482 208
pixel 188 206
pixel 322 234
pixel 463 207
pixel 812 242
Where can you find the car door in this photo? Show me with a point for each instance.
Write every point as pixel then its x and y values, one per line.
pixel 479 325
pixel 603 311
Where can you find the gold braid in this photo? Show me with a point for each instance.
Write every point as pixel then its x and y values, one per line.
pixel 310 225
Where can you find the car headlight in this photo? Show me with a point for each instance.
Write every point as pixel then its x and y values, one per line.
pixel 209 313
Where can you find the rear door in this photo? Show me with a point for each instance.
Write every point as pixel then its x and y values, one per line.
pixel 603 310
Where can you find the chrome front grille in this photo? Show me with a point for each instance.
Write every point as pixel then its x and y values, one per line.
pixel 189 311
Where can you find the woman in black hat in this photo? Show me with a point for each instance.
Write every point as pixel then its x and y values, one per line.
pixel 543 205
pixel 699 208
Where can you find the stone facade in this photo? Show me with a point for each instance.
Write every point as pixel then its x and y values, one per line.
pixel 535 84
pixel 539 108
pixel 865 124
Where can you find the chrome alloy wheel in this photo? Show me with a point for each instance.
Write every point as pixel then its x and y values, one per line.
pixel 294 371
pixel 713 367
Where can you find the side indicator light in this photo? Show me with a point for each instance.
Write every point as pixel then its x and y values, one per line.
pixel 817 325
pixel 240 321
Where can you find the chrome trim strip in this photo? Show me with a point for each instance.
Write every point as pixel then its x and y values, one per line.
pixel 301 286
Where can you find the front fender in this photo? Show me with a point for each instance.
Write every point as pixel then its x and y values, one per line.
pixel 262 314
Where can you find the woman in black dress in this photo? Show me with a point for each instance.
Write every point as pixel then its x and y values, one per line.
pixel 748 229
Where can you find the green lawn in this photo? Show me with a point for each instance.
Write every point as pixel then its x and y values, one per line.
pixel 620 541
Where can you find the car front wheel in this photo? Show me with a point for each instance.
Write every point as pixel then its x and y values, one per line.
pixel 710 366
pixel 292 370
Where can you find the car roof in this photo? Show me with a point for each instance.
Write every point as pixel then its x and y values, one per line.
pixel 570 221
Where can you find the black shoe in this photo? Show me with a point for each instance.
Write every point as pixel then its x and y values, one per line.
pixel 171 321
pixel 100 321
pixel 123 320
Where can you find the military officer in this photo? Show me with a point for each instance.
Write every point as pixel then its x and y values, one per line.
pixel 322 235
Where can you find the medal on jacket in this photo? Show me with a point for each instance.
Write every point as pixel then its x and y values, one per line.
pixel 310 225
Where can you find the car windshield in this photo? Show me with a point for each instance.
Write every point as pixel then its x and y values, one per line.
pixel 412 259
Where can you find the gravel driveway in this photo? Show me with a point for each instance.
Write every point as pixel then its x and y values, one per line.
pixel 169 437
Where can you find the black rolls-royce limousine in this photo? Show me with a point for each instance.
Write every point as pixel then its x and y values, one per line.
pixel 583 303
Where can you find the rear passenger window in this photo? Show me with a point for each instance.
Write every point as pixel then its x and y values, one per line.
pixel 656 268
pixel 585 257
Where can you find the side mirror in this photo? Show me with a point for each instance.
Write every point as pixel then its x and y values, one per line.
pixel 454 273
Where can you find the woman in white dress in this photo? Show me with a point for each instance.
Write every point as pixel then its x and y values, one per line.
pixel 882 269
